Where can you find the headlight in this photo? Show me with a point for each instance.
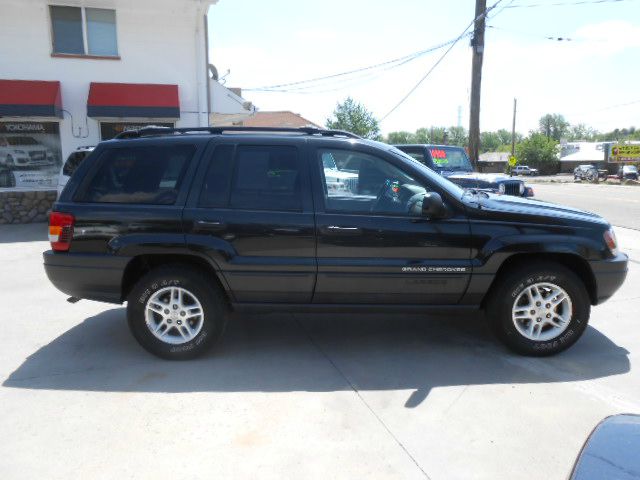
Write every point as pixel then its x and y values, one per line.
pixel 501 188
pixel 611 241
pixel 521 188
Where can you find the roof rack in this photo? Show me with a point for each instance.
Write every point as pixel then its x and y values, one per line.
pixel 155 131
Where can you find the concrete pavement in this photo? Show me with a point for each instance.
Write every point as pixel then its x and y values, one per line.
pixel 620 204
pixel 298 396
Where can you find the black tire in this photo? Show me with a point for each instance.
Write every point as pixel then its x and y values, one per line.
pixel 505 293
pixel 196 283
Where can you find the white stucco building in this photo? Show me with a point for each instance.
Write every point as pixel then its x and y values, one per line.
pixel 75 72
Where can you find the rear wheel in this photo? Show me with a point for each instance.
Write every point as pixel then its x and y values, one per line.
pixel 539 310
pixel 176 312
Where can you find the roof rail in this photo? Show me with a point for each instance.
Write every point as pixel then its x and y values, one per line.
pixel 155 131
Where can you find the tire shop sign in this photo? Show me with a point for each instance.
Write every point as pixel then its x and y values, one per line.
pixel 624 153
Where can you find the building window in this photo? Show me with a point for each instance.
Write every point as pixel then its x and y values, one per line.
pixel 84 31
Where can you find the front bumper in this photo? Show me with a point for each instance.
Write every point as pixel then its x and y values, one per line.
pixel 86 275
pixel 609 276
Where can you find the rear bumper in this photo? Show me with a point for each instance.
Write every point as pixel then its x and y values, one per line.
pixel 84 275
pixel 609 276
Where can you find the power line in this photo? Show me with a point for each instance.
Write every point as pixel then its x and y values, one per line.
pixel 396 62
pixel 463 34
pixel 610 107
pixel 565 4
pixel 537 35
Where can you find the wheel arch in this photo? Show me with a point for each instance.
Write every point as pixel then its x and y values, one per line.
pixel 142 264
pixel 572 261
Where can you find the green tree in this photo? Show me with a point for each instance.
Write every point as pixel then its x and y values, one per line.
pixel 422 135
pixel 505 136
pixel 355 118
pixel 539 151
pixel 553 125
pixel 457 136
pixel 489 141
pixel 438 135
pixel 402 137
pixel 581 132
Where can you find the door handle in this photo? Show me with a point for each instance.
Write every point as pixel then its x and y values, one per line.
pixel 338 230
pixel 210 225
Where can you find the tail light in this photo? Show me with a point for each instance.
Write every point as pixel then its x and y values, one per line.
pixel 61 230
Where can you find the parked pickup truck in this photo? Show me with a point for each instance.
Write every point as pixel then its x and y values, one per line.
pixel 186 225
pixel 454 164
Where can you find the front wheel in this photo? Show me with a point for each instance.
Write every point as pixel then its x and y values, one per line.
pixel 539 310
pixel 176 312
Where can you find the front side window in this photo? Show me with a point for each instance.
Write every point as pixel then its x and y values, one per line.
pixel 84 31
pixel 266 178
pixel 363 183
pixel 138 175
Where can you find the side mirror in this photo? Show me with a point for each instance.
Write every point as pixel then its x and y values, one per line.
pixel 433 206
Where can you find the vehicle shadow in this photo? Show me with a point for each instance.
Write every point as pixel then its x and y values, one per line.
pixel 26 232
pixel 318 353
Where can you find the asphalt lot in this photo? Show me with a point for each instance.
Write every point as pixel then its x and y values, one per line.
pixel 619 204
pixel 298 396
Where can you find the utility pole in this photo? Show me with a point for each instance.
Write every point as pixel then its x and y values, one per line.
pixel 477 43
pixel 513 128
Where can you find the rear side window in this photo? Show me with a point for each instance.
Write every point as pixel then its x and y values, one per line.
pixel 418 154
pixel 73 162
pixel 266 178
pixel 143 175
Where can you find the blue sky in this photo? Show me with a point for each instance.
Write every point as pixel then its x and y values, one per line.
pixel 266 42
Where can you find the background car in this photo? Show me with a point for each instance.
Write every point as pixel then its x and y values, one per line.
pixel 23 152
pixel 454 164
pixel 524 170
pixel 339 181
pixel 628 172
pixel 585 172
pixel 73 161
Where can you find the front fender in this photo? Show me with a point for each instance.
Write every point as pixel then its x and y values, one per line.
pixel 498 251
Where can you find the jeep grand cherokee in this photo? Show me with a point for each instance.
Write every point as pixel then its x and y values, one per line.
pixel 186 225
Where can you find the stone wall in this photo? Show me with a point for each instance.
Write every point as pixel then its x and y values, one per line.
pixel 25 207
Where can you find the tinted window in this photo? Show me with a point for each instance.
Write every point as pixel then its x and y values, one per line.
pixel 450 158
pixel 67 30
pixel 215 188
pixel 418 154
pixel 362 183
pixel 150 175
pixel 72 163
pixel 266 178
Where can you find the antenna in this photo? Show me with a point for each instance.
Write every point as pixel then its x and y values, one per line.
pixel 459 116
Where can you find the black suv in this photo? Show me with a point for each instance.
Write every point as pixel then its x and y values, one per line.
pixel 186 225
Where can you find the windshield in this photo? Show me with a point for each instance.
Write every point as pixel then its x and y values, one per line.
pixel 630 168
pixel 439 180
pixel 450 158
